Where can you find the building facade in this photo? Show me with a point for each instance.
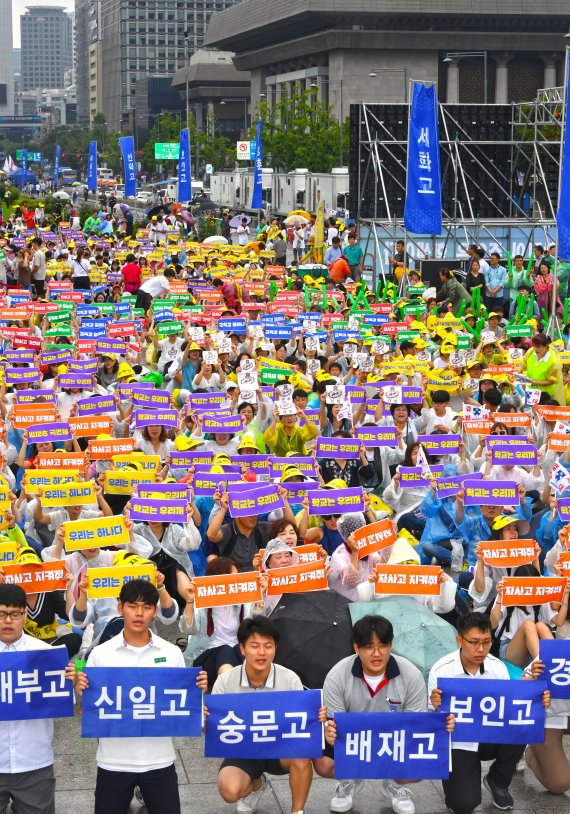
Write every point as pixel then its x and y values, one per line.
pixel 497 51
pixel 47 47
pixel 142 39
pixel 6 60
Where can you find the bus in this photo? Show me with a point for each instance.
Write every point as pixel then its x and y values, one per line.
pixel 105 177
pixel 67 175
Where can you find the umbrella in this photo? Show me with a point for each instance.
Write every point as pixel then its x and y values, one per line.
pixel 315 634
pixel 63 196
pixel 420 635
pixel 124 207
pixel 205 206
pixel 302 212
pixel 77 184
pixel 187 217
pixel 156 210
pixel 296 220
pixel 236 221
pixel 214 239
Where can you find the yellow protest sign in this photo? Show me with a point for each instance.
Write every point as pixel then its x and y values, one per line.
pixel 102 531
pixel 122 483
pixel 8 553
pixel 148 462
pixel 105 583
pixel 39 478
pixel 68 494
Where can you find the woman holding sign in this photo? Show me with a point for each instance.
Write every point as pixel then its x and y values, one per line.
pixel 543 367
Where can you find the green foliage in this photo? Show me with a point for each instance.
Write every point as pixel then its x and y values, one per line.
pixel 74 141
pixel 205 227
pixel 301 131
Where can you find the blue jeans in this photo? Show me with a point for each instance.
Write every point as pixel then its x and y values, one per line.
pixel 440 550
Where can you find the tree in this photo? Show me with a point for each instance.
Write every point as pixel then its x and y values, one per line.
pixel 213 149
pixel 301 131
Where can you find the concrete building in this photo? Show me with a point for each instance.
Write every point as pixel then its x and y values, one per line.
pixel 146 39
pixel 47 47
pixel 370 50
pixel 88 73
pixel 6 60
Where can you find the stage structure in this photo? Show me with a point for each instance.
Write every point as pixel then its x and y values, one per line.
pixel 500 167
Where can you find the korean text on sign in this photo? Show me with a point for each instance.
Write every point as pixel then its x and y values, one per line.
pixel 33 685
pixel 556 657
pixel 264 725
pixel 379 745
pixel 494 711
pixel 122 702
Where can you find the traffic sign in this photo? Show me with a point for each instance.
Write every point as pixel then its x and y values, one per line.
pixel 167 151
pixel 31 156
pixel 245 150
pixel 209 169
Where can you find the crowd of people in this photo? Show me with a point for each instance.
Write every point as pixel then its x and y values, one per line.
pixel 214 365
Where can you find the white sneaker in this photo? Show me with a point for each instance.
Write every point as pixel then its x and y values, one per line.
pixel 248 805
pixel 138 796
pixel 401 798
pixel 342 796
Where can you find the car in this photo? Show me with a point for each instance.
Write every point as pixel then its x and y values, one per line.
pixel 144 196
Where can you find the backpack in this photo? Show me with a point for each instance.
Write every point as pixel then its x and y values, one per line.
pixel 257 538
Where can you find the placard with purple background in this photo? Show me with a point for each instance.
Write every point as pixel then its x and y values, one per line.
pixel 300 488
pixel 336 501
pixel 29 396
pixel 445 444
pixel 208 400
pixel 260 464
pixel 116 346
pixel 337 448
pixel 55 357
pixel 447 487
pixel 79 381
pixel 377 436
pixel 499 440
pixel 207 483
pixel 20 357
pixel 154 418
pixel 516 455
pixel 169 490
pixel 158 510
pixel 306 464
pixel 223 424
pixel 46 433
pixel 564 509
pixel 152 399
pixel 491 493
pixel 411 476
pixel 232 469
pixel 126 390
pixel 83 366
pixel 22 375
pixel 190 457
pixel 96 405
pixel 254 501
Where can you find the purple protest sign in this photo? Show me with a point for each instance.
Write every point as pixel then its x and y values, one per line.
pixel 412 395
pixel 233 469
pixel 447 487
pixel 96 405
pixel 411 476
pixel 207 399
pixel 257 500
pixel 372 436
pixel 516 455
pixel 20 357
pixel 306 464
pixel 56 357
pixel 223 424
pixel 22 375
pixel 83 366
pixel 491 493
pixel 336 501
pixel 207 483
pixel 117 346
pixel 44 433
pixel 158 510
pixel 170 491
pixel 78 381
pixel 445 444
pixel 188 458
pixel 155 418
pixel 300 489
pixel 29 396
pixel 126 390
pixel 564 509
pixel 499 440
pixel 357 395
pixel 258 463
pixel 152 399
pixel 337 448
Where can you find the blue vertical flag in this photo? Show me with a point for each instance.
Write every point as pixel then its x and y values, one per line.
pixel 257 194
pixel 24 166
pixel 184 168
pixel 563 214
pixel 56 165
pixel 422 211
pixel 92 167
pixel 129 165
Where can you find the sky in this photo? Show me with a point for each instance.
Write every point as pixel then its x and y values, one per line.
pixel 19 8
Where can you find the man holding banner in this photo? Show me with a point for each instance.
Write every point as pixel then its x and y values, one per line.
pixel 26 755
pixel 144 762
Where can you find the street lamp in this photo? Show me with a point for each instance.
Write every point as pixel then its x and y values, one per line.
pixel 453 55
pixel 339 82
pixel 243 99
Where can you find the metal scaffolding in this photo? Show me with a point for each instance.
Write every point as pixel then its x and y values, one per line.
pixel 500 168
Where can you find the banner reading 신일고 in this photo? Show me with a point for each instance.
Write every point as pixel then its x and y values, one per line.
pixel 407 579
pixel 102 531
pixel 297 579
pixel 106 583
pixel 227 589
pixel 375 537
pixel 69 494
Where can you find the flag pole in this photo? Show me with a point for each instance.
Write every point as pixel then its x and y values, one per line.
pixel 553 328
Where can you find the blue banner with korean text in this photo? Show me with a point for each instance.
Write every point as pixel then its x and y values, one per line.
pixel 257 194
pixel 563 214
pixel 384 745
pixel 155 702
pixel 555 654
pixel 129 165
pixel 494 711
pixel 422 210
pixel 92 167
pixel 33 685
pixel 24 165
pixel 184 168
pixel 264 725
pixel 56 165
